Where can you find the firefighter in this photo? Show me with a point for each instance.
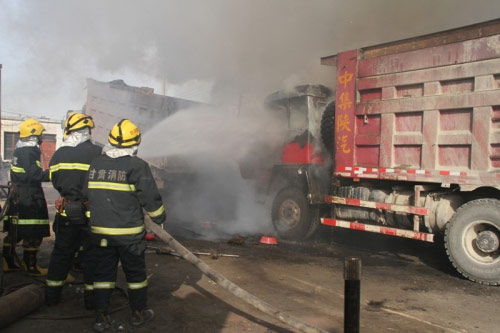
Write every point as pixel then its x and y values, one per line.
pixel 27 218
pixel 68 170
pixel 120 186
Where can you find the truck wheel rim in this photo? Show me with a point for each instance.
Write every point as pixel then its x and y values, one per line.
pixel 473 236
pixel 289 213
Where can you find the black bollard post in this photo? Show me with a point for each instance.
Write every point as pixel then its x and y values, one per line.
pixel 352 277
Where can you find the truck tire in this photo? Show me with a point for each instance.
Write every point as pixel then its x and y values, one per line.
pixel 314 219
pixel 328 128
pixel 472 241
pixel 291 214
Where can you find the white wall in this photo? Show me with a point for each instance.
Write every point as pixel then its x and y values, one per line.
pixel 11 124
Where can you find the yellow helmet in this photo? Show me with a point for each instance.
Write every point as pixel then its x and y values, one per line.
pixel 30 127
pixel 124 134
pixel 76 121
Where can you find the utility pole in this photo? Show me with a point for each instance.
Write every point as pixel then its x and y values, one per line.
pixel 1 159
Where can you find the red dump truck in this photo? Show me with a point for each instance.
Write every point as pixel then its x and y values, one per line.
pixel 414 141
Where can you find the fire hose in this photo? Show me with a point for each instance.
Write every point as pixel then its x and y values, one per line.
pixel 227 284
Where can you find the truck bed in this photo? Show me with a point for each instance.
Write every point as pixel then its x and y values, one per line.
pixel 423 109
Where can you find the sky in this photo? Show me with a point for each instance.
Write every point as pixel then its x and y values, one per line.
pixel 216 51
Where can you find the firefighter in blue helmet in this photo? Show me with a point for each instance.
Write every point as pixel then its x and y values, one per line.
pixel 27 218
pixel 68 170
pixel 120 187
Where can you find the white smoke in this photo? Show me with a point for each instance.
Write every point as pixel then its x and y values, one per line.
pixel 207 147
pixel 240 47
pixel 212 131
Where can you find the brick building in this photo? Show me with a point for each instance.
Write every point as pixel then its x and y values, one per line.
pixel 9 132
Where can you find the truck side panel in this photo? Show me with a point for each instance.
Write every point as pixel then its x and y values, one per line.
pixel 428 115
pixel 443 55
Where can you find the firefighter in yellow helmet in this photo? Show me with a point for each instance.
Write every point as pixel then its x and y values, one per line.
pixel 120 187
pixel 27 218
pixel 68 170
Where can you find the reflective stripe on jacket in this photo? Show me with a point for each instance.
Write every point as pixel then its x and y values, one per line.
pixel 30 221
pixel 118 191
pixel 69 167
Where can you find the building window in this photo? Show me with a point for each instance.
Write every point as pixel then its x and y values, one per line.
pixel 48 137
pixel 9 144
pixel 10 139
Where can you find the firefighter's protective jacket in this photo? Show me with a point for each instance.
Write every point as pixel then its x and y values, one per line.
pixel 118 191
pixel 69 167
pixel 29 205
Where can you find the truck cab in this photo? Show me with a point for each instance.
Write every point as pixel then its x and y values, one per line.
pixel 301 109
pixel 298 178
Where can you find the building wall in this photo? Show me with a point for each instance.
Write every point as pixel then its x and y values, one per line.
pixel 109 102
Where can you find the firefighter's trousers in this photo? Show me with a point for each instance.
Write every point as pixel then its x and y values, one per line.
pixel 133 263
pixel 69 238
pixel 28 242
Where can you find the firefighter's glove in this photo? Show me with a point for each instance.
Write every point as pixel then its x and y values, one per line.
pixel 160 219
pixel 59 204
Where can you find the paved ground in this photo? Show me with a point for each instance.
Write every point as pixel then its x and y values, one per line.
pixel 407 286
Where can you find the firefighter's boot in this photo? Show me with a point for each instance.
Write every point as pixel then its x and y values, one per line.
pixel 141 317
pixel 30 261
pixel 102 322
pixel 8 262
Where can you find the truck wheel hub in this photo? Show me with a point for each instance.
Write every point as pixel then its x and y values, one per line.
pixel 487 241
pixel 290 212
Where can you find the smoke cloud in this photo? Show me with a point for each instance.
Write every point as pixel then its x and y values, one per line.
pixel 214 131
pixel 229 47
pixel 202 154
